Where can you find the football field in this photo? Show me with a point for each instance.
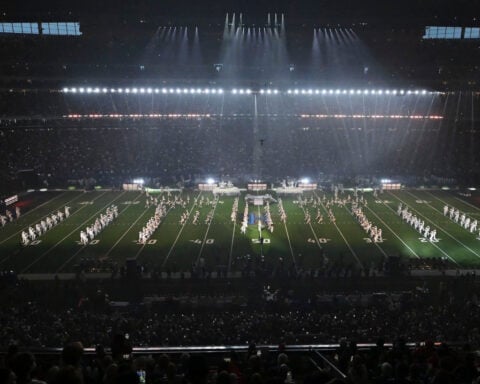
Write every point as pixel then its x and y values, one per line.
pixel 331 237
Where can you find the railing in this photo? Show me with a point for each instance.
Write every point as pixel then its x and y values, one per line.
pixel 222 349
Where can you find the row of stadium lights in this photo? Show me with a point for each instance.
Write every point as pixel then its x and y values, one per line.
pixel 241 91
pixel 196 115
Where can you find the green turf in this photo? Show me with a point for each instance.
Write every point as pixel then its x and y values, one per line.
pixel 220 244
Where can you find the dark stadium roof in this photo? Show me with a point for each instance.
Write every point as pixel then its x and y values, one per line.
pixel 298 11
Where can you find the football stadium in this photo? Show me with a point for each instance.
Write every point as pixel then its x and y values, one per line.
pixel 239 192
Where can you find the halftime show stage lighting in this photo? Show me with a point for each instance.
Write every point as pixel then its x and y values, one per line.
pixel 248 91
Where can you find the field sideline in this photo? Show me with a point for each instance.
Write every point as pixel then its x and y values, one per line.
pixel 220 244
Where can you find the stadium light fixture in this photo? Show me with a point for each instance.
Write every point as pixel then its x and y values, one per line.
pixel 214 90
pixel 269 91
pixel 73 90
pixel 324 91
pixel 134 90
pixel 127 90
pixel 89 90
pixel 221 91
pixel 234 91
pixel 248 91
pixel 96 90
pixel 120 90
pixel 112 90
pixel 139 181
pixel 351 92
pixel 295 91
pixel 210 181
pixel 275 91
pixel 305 180
pixel 149 90
pixel 104 90
pixel 81 90
pixel 416 92
pixel 424 92
pixel 241 91
pixel 65 90
pixel 317 91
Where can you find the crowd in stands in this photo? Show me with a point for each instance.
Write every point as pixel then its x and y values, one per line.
pixel 175 150
pixel 380 365
pixel 31 325
pixel 264 317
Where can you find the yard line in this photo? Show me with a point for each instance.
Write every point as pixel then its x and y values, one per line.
pixel 231 247
pixel 380 248
pixel 443 201
pixel 40 219
pixel 208 229
pixel 129 228
pixel 453 237
pixel 181 230
pixel 289 243
pixel 435 245
pixel 103 257
pixel 466 202
pixel 313 231
pixel 343 237
pixel 76 229
pixel 448 217
pixel 391 230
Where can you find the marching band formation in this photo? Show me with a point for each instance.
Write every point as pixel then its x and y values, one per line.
pixel 419 225
pixel 373 232
pixel 321 204
pixel 268 217
pixel 281 211
pixel 8 217
pixel 43 226
pixel 243 228
pixel 101 222
pixel 460 218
